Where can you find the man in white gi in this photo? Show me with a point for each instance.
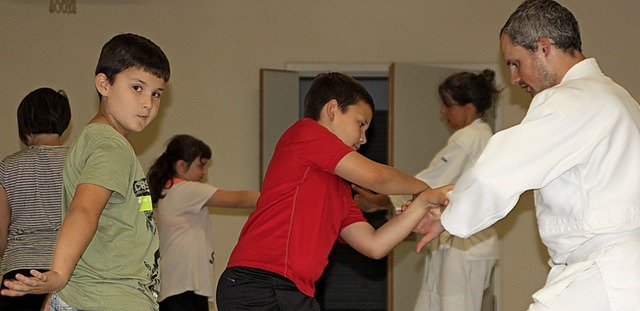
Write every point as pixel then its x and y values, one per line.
pixel 578 147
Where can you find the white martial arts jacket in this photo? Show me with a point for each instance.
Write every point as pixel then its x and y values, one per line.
pixel 579 147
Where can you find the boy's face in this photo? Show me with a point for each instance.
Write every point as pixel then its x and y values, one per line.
pixel 133 100
pixel 350 125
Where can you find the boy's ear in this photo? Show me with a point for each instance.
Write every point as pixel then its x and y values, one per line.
pixel 102 84
pixel 331 108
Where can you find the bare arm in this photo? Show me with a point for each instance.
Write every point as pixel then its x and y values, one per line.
pixel 378 243
pixel 377 177
pixel 228 198
pixel 5 221
pixel 78 228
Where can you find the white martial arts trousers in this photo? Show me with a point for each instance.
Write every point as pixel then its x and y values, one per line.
pixel 452 281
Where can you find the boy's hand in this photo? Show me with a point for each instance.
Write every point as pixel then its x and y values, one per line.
pixel 38 283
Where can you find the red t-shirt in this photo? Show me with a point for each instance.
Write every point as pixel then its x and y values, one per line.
pixel 302 208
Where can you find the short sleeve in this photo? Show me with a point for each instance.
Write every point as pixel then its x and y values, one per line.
pixel 320 148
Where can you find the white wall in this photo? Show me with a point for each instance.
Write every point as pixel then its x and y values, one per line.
pixel 217 47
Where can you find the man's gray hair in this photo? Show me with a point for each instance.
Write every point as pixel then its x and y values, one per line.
pixel 535 19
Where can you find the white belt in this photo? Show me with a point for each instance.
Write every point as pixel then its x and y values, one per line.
pixel 588 254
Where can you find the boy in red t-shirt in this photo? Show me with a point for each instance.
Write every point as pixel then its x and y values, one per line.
pixel 306 203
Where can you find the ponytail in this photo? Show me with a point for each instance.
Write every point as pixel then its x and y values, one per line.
pixel 160 172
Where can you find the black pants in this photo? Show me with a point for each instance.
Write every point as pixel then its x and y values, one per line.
pixel 187 301
pixel 29 302
pixel 241 288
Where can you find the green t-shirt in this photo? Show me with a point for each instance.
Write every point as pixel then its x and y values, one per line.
pixel 119 268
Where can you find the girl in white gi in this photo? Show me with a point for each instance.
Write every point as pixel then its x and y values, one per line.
pixel 186 241
pixel 457 271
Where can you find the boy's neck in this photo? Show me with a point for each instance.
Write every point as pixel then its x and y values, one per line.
pixel 103 119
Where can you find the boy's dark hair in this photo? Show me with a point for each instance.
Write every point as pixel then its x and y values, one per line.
pixel 479 89
pixel 43 111
pixel 334 85
pixel 130 50
pixel 180 147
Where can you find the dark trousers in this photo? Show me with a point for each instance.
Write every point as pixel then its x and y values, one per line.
pixel 241 288
pixel 187 301
pixel 27 302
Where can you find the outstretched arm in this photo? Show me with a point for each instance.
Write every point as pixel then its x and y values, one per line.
pixel 377 177
pixel 378 243
pixel 78 228
pixel 229 198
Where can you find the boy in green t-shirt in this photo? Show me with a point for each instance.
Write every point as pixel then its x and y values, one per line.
pixel 107 250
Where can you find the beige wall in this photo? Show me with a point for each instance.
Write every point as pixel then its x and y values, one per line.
pixel 216 49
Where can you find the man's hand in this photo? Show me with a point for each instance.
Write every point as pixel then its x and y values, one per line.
pixel 430 225
pixel 431 231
